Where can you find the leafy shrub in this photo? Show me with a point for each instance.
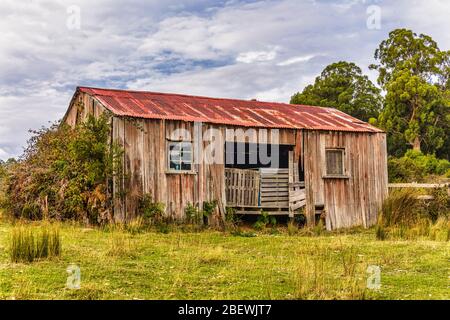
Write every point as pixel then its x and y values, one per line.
pixel 439 206
pixel 29 244
pixel 231 219
pixel 196 216
pixel 163 227
pixel 415 166
pixel 65 173
pixel 300 219
pixel 263 220
pixel 192 213
pixel 151 211
pixel 209 207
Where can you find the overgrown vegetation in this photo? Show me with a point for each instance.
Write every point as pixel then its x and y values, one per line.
pixel 264 219
pixel 339 272
pixel 200 217
pixel 152 212
pixel 405 216
pixel 121 244
pixel 65 173
pixel 28 243
pixel 415 166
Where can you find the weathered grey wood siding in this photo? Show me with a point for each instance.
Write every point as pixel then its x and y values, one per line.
pixel 352 201
pixel 79 112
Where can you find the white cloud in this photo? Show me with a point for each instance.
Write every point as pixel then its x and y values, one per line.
pixel 256 56
pixel 295 60
pixel 3 154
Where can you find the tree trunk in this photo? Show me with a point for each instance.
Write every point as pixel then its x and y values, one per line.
pixel 416 144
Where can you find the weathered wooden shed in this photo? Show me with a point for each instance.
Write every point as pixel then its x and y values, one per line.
pixel 322 161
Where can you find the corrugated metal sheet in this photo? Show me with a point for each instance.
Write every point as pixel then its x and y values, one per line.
pixel 250 113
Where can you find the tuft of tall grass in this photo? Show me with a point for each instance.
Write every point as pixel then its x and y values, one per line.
pixel 292 228
pixel 404 216
pixel 214 256
pixel 323 275
pixel 29 244
pixel 137 225
pixel 380 232
pixel 401 207
pixel 440 231
pixel 121 245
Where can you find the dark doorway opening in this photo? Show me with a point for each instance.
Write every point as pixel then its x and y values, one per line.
pixel 256 155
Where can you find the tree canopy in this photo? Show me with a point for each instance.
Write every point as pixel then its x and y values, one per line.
pixel 414 72
pixel 343 86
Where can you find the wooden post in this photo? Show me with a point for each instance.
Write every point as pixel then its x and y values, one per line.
pixel 291 181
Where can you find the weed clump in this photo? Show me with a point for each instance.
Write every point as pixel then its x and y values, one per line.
pixel 318 276
pixel 405 215
pixel 29 244
pixel 264 219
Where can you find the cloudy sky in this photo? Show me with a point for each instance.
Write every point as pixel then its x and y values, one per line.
pixel 242 49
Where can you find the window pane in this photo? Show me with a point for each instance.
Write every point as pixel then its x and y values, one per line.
pixel 335 162
pixel 175 165
pixel 187 146
pixel 185 166
pixel 180 156
pixel 186 156
pixel 174 155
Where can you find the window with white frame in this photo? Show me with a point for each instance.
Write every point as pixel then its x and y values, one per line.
pixel 335 162
pixel 180 156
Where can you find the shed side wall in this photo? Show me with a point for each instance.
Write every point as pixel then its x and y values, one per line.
pixel 353 201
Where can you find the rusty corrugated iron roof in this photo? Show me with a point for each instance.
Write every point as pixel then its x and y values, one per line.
pixel 248 113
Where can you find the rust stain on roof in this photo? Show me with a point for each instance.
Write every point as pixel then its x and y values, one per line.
pixel 251 113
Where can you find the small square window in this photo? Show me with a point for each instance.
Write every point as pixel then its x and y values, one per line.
pixel 335 162
pixel 180 156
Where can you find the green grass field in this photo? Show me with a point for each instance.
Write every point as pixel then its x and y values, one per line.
pixel 215 265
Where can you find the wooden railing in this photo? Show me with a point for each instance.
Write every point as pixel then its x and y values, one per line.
pixel 297 194
pixel 415 185
pixel 242 187
pixel 274 188
pixel 419 185
pixel 264 188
